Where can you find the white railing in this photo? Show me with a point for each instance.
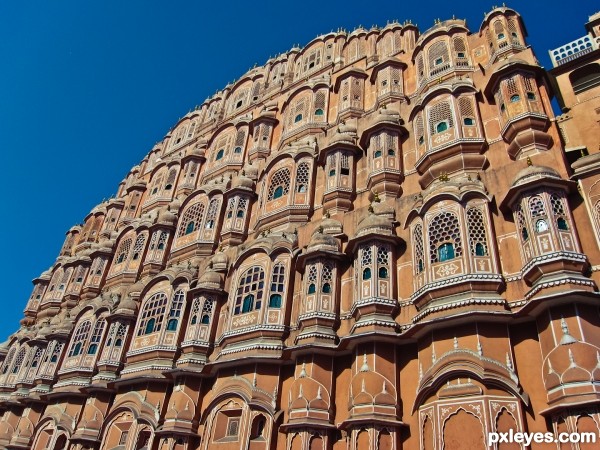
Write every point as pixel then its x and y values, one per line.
pixel 573 50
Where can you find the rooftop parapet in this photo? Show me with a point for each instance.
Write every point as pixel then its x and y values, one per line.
pixel 574 49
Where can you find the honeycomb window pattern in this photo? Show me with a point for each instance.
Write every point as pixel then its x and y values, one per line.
pixel 302 177
pixel 280 184
pixel 536 207
pixel 123 250
pixel 418 248
pixel 444 228
pixel 312 279
pixel 139 245
pixel 211 214
pixel 437 56
pixel 366 256
pixel 190 221
pixel 439 113
pixel 207 309
pixel 19 360
pixel 477 234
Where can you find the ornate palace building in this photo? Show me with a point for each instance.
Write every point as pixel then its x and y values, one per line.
pixel 376 241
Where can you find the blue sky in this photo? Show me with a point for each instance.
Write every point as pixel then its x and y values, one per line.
pixel 87 88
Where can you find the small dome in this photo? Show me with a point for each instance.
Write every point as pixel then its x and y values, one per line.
pixel 46 275
pixel 44 330
pixel 220 261
pixel 321 240
pixel 331 226
pixel 242 181
pixel 210 279
pixel 344 134
pixel 66 323
pixel 127 304
pixel 251 171
pixel 387 115
pixel 167 217
pixel 531 173
pixel 374 223
pixel 175 205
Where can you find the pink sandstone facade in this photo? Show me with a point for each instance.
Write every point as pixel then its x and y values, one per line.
pixel 373 242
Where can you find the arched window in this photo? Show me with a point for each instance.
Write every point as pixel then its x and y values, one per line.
pixel 559 211
pixel 250 290
pixel 312 279
pixel 19 360
pixel 437 56
pixel 302 177
pixel 445 252
pixel 515 98
pixel 541 225
pixel 8 360
pixel 440 117
pixel 123 250
pixel 524 233
pixel 152 315
pixel 298 118
pixel 318 112
pixel 170 179
pixel 96 336
pixel 468 121
pixel 383 259
pixel 418 248
pixel 211 214
pixel 444 229
pixel 280 184
pixel 191 219
pixel 175 311
pixel 562 224
pixel 366 275
pixel 477 232
pixel 220 154
pixel 138 247
pixel 326 289
pixel 377 154
pixel 80 337
pixel 278 279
